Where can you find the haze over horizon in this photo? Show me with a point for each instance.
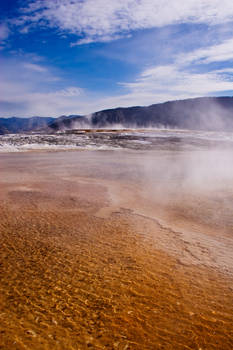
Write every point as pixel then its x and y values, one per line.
pixel 77 57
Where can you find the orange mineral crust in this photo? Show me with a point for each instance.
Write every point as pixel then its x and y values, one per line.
pixel 89 261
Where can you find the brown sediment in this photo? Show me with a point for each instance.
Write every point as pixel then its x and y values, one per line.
pixel 84 265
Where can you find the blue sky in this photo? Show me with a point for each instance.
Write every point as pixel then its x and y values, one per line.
pixel 79 56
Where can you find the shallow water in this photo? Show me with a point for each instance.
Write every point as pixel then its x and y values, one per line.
pixel 116 250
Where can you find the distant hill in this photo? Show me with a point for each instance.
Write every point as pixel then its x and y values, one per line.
pixel 68 122
pixel 15 125
pixel 204 113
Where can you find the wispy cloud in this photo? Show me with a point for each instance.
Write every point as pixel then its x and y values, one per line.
pixel 180 79
pixel 188 76
pixel 216 53
pixel 35 67
pixel 23 93
pixel 101 20
pixel 4 31
pixel 4 34
pixel 101 39
pixel 180 64
pixel 71 91
pixel 173 81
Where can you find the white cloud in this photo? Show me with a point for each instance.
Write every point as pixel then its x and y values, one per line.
pixel 189 75
pixel 68 92
pixel 94 20
pixel 175 82
pixel 27 102
pixel 55 103
pixel 35 67
pixel 23 94
pixel 103 39
pixel 153 85
pixel 4 31
pixel 181 79
pixel 216 53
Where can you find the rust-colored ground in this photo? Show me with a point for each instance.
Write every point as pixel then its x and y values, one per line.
pixel 79 271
